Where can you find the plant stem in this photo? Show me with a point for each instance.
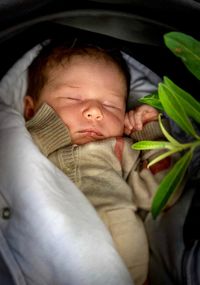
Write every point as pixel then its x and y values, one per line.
pixel 192 145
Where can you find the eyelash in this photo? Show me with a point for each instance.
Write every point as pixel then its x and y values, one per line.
pixel 106 105
pixel 110 106
pixel 73 99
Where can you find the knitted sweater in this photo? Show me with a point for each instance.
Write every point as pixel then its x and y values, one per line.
pixel 108 172
pixel 113 177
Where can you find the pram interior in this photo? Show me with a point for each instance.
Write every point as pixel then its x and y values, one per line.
pixel 126 24
pixel 136 26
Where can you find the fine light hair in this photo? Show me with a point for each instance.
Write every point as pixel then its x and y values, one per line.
pixel 56 54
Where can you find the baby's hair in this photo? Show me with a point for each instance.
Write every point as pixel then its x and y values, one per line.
pixel 58 53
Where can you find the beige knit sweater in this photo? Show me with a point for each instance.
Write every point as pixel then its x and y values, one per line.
pixel 113 176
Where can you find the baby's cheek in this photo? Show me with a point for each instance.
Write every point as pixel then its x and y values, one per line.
pixel 68 116
pixel 122 127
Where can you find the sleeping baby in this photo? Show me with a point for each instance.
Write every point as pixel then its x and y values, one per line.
pixel 75 108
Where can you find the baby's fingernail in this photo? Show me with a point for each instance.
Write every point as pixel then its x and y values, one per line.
pixel 139 127
pixel 127 132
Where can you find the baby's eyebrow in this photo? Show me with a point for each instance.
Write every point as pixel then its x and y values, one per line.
pixel 71 85
pixel 65 85
pixel 118 95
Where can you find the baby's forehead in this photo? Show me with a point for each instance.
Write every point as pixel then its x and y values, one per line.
pixel 94 59
pixel 62 58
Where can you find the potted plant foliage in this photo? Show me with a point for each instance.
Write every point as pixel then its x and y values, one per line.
pixel 184 110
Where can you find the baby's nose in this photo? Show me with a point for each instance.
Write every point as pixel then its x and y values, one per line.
pixel 93 112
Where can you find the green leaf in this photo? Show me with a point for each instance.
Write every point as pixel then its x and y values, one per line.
pixel 143 145
pixel 190 105
pixel 163 155
pixel 152 100
pixel 187 48
pixel 174 109
pixel 170 183
pixel 167 135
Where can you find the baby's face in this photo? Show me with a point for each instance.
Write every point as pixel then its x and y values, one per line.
pixel 89 96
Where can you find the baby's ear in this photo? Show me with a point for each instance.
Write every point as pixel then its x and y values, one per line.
pixel 28 107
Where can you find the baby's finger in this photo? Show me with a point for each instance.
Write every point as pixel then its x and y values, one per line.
pixel 135 125
pixel 127 131
pixel 127 123
pixel 138 120
pixel 150 116
pixel 131 116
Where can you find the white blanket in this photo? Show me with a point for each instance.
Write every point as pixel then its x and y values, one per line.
pixel 49 233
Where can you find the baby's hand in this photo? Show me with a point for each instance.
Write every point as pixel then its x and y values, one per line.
pixel 137 118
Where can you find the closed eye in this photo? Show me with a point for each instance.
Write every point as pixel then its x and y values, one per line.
pixel 111 106
pixel 73 98
pixel 70 98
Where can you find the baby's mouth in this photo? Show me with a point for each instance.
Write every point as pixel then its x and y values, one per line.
pixel 92 133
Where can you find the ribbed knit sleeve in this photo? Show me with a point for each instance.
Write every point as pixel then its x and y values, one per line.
pixel 48 131
pixel 150 131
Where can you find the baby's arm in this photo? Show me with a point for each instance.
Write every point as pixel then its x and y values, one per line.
pixel 137 118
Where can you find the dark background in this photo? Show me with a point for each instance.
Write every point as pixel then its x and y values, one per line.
pixel 136 26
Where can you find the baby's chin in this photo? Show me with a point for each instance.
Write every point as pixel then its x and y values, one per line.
pixel 85 139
